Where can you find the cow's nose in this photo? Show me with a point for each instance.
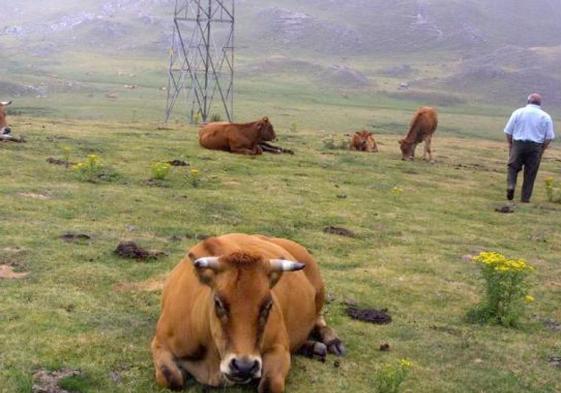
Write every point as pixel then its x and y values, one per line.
pixel 7 130
pixel 244 368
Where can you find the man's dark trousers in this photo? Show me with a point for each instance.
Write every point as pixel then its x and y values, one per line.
pixel 525 154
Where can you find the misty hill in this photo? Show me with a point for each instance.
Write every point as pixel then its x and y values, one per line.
pixel 488 49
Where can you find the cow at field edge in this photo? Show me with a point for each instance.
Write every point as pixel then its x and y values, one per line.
pixel 237 138
pixel 4 128
pixel 422 128
pixel 364 141
pixel 236 308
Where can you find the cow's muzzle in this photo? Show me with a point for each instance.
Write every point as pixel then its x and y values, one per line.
pixel 243 369
pixel 6 131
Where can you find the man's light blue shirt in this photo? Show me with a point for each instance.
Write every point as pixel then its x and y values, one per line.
pixel 530 123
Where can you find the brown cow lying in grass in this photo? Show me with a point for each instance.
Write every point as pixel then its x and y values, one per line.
pixel 236 308
pixel 364 141
pixel 237 138
pixel 4 128
pixel 422 128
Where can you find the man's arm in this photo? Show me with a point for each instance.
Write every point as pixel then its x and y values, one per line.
pixel 509 129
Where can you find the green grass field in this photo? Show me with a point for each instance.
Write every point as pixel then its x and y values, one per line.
pixel 83 308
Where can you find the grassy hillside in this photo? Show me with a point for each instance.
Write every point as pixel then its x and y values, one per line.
pixel 83 308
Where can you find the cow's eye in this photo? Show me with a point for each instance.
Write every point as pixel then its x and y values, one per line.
pixel 220 308
pixel 266 309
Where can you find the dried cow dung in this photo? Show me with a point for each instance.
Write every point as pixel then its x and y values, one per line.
pixel 505 209
pixel 72 237
pixel 178 163
pixel 370 315
pixel 339 231
pixel 131 250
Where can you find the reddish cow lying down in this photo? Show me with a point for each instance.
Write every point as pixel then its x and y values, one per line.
pixel 235 309
pixel 4 128
pixel 364 141
pixel 237 138
pixel 422 128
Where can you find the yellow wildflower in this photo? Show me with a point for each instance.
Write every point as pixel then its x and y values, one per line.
pixel 529 299
pixel 405 363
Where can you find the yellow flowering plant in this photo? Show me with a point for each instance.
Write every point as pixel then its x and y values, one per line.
pixel 90 169
pixel 194 177
pixel 160 170
pixel 506 289
pixel 391 376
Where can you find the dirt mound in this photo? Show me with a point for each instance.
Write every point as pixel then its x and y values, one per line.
pixel 7 272
pixel 340 231
pixel 48 381
pixel 370 315
pixel 131 250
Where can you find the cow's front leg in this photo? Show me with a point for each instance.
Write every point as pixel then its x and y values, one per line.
pixel 428 150
pixel 276 364
pixel 168 373
pixel 256 150
pixel 328 336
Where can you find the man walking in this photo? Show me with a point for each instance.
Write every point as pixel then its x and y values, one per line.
pixel 528 132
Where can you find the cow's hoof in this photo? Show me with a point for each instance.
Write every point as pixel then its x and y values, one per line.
pixel 336 347
pixel 314 350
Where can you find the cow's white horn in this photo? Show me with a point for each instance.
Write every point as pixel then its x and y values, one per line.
pixel 6 103
pixel 207 262
pixel 283 265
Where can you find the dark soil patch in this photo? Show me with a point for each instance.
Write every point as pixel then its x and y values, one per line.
pixel 340 231
pixel 131 250
pixel 506 209
pixel 178 163
pixel 555 361
pixel 552 324
pixel 75 237
pixel 55 161
pixel 156 183
pixel 370 315
pixel 48 381
pixel 197 236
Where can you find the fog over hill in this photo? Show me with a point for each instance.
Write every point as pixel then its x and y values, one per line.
pixel 489 49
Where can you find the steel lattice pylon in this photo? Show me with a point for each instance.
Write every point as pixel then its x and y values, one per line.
pixel 202 59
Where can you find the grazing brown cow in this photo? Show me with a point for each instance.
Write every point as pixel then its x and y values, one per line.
pixel 237 138
pixel 364 141
pixel 236 308
pixel 422 128
pixel 4 128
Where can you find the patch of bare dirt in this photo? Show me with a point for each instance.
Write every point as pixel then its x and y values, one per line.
pixel 131 250
pixel 33 195
pixel 385 347
pixel 55 161
pixel 48 381
pixel 7 272
pixel 370 315
pixel 340 231
pixel 155 284
pixel 552 324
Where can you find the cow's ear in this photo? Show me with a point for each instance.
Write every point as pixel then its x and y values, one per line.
pixel 206 268
pixel 279 266
pixel 265 119
pixel 401 141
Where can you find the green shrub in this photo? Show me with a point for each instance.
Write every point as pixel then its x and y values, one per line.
pixel 552 191
pixel 390 378
pixel 506 289
pixel 160 170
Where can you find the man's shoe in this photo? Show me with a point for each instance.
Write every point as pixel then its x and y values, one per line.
pixel 510 195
